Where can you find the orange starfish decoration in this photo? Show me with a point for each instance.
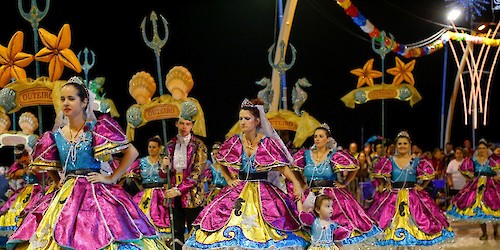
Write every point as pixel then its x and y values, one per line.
pixel 402 72
pixel 57 52
pixel 366 74
pixel 13 60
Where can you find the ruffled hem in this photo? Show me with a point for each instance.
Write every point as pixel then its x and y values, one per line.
pixel 366 237
pixel 237 240
pixel 479 217
pixel 409 240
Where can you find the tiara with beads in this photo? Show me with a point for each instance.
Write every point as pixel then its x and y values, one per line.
pixel 325 126
pixel 403 134
pixel 78 80
pixel 247 103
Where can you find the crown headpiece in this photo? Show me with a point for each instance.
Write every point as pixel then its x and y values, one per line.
pixel 325 126
pixel 484 141
pixel 75 79
pixel 403 134
pixel 247 103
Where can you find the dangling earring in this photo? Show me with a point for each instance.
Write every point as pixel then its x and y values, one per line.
pixel 85 115
pixel 396 152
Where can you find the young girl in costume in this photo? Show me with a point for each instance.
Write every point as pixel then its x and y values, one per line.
pixel 323 227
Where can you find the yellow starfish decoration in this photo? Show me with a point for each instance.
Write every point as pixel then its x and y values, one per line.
pixel 57 52
pixel 402 72
pixel 13 60
pixel 366 74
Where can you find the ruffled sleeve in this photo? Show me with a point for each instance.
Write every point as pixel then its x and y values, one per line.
pixel 425 170
pixel 109 138
pixel 45 154
pixel 467 167
pixel 343 161
pixel 299 159
pixel 14 167
pixel 495 162
pixel 270 155
pixel 134 171
pixel 230 151
pixel 382 168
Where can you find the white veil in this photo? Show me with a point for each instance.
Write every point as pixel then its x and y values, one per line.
pixel 275 177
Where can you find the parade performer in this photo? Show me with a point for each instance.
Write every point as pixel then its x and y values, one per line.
pixel 151 199
pixel 186 157
pixel 10 213
pixel 404 210
pixel 479 201
pixel 213 175
pixel 251 213
pixel 320 165
pixel 89 211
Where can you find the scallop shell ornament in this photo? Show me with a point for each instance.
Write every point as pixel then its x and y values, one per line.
pixel 142 87
pixel 179 82
pixel 188 111
pixel 4 123
pixel 28 123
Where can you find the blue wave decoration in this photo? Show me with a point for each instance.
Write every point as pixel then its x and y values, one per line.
pixel 354 240
pixel 409 240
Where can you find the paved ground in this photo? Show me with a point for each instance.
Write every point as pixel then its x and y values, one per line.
pixel 466 237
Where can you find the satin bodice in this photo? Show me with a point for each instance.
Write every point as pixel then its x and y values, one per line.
pixel 321 171
pixel 79 155
pixel 248 163
pixel 30 178
pixel 406 173
pixel 217 178
pixel 482 168
pixel 150 173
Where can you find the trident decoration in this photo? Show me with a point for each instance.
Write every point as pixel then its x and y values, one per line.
pixel 282 67
pixel 86 66
pixel 34 16
pixel 156 44
pixel 382 51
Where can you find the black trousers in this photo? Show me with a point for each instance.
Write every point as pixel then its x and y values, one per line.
pixel 183 217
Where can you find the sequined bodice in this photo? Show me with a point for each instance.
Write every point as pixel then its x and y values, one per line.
pixel 217 178
pixel 78 155
pixel 322 171
pixel 30 178
pixel 404 173
pixel 150 172
pixel 322 236
pixel 247 163
pixel 482 169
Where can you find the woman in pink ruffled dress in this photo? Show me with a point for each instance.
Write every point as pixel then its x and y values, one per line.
pixel 89 211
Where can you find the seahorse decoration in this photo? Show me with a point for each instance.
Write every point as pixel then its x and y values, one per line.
pixel 238 205
pixel 299 96
pixel 266 94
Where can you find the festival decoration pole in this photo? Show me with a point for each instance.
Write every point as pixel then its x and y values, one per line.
pixel 156 44
pixel 382 51
pixel 453 98
pixel 86 66
pixel 443 95
pixel 34 16
pixel 283 36
pixel 284 97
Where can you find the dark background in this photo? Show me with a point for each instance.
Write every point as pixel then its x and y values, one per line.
pixel 224 45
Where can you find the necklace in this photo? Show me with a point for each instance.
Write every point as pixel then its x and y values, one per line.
pixel 72 139
pixel 249 145
pixel 318 157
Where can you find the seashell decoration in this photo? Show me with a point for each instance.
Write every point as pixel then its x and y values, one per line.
pixel 4 123
pixel 28 123
pixel 142 87
pixel 179 82
pixel 188 111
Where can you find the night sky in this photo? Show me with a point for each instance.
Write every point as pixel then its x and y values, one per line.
pixel 224 45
